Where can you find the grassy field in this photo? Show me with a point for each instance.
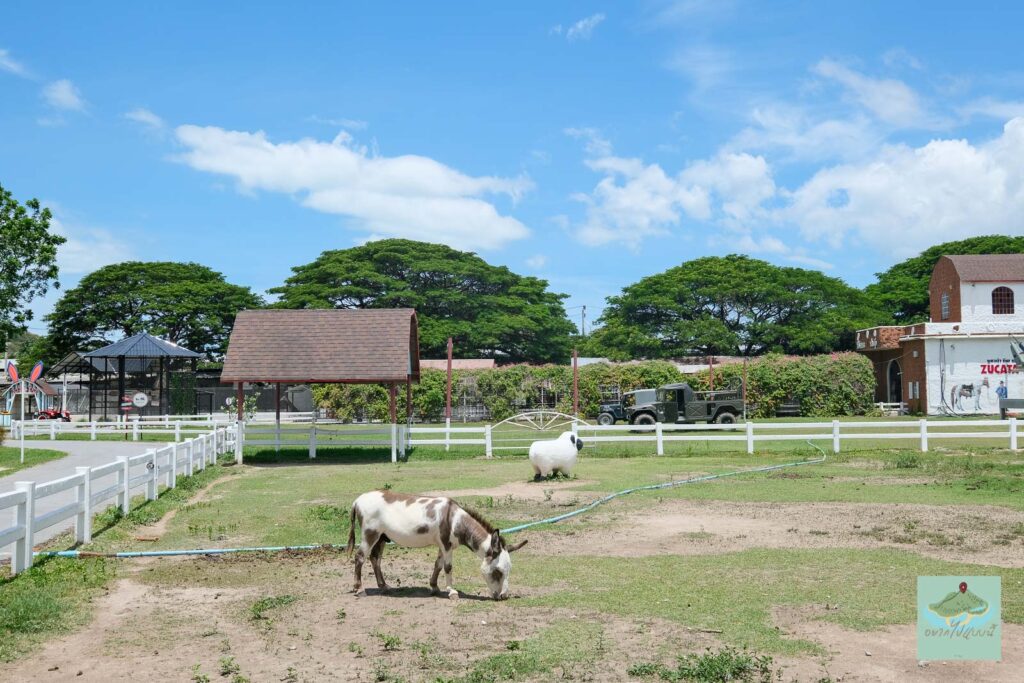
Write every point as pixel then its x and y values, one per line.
pixel 840 543
pixel 10 458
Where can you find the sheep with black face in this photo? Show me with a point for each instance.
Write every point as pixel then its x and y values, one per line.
pixel 555 455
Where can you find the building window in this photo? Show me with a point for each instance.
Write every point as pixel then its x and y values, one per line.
pixel 945 305
pixel 1002 301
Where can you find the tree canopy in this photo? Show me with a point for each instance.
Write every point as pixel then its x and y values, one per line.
pixel 902 291
pixel 488 310
pixel 186 303
pixel 28 260
pixel 731 305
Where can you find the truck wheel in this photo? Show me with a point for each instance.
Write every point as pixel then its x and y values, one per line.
pixel 644 419
pixel 725 418
pixel 605 419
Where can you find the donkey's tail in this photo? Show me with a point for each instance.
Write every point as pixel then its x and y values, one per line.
pixel 351 530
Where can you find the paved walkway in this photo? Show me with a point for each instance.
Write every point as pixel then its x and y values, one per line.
pixel 80 454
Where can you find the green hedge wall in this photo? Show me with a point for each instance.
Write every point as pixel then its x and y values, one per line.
pixel 828 385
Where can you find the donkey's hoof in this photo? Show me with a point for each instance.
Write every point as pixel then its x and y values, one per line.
pixel 361 593
pixel 434 590
pixel 453 594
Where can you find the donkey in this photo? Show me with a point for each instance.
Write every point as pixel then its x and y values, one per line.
pixel 420 521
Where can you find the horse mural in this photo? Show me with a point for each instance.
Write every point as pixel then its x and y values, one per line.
pixel 421 521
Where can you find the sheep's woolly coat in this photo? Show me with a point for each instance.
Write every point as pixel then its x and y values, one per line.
pixel 555 455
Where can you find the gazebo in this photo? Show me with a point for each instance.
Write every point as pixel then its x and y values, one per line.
pixel 138 375
pixel 333 346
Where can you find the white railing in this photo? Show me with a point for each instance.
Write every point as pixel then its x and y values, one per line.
pixel 452 436
pixel 752 432
pixel 135 427
pixel 97 487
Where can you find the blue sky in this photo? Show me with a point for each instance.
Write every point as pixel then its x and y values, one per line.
pixel 587 143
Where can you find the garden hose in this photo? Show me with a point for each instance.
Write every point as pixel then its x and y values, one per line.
pixel 510 530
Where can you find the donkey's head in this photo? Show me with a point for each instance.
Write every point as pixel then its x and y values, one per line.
pixel 497 565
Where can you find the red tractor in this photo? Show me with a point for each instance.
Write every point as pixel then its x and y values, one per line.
pixel 54 414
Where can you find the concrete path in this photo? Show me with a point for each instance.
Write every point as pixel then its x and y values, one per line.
pixel 80 454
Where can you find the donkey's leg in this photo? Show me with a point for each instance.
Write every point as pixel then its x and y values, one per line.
pixel 447 560
pixel 438 563
pixel 370 538
pixel 375 556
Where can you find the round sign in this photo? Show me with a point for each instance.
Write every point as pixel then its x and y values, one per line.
pixel 140 400
pixel 229 401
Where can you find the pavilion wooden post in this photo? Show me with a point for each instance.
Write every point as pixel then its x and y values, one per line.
pixel 743 395
pixel 393 409
pixel 277 417
pixel 711 372
pixel 448 400
pixel 575 383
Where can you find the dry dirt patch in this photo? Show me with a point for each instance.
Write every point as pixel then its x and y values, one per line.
pixel 979 533
pixel 888 654
pixel 559 490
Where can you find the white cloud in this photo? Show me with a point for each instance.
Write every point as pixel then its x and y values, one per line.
pixel 10 65
pixel 907 198
pixel 146 118
pixel 87 249
pixel 63 94
pixel 404 196
pixel 583 28
pixel 635 200
pixel 537 261
pixel 801 137
pixel 891 100
pixel 595 144
pixel 898 56
pixel 348 124
pixel 993 108
pixel 705 65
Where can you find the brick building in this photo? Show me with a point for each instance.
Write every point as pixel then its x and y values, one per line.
pixel 956 362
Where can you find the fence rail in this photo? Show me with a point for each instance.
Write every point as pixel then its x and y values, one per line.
pixel 118 482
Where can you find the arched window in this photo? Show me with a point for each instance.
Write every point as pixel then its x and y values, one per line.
pixel 1002 301
pixel 945 305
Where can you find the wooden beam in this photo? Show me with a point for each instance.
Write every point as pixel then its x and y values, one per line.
pixel 393 402
pixel 239 400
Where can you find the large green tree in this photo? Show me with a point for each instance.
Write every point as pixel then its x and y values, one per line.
pixel 28 260
pixel 902 291
pixel 731 305
pixel 186 303
pixel 488 310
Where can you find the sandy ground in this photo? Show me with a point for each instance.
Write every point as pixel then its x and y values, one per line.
pixel 144 627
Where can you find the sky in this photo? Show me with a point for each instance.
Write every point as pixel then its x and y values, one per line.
pixel 586 143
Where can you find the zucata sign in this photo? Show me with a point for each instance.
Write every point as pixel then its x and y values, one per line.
pixel 958 617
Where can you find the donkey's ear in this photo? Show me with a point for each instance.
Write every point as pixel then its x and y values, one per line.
pixel 495 542
pixel 517 546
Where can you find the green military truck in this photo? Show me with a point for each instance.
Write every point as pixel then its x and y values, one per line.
pixel 680 404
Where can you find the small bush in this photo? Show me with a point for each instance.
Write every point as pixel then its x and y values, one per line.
pixel 907 461
pixel 258 610
pixel 725 665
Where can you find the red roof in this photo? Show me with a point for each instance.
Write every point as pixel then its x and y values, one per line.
pixel 323 346
pixel 989 267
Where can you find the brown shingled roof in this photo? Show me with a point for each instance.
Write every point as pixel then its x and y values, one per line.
pixel 989 267
pixel 300 346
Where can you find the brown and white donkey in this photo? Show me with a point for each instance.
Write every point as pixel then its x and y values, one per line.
pixel 421 521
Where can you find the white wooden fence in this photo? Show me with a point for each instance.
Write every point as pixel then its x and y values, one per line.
pixel 97 487
pixel 919 432
pixel 134 428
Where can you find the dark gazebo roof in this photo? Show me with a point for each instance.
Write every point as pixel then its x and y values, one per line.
pixel 142 345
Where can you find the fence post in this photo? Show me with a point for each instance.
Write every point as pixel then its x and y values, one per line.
pixel 177 430
pixel 835 436
pixel 92 431
pixel 53 430
pixel 239 441
pixel 172 475
pixel 83 522
pixel 924 436
pixel 394 442
pixel 22 559
pixel 1013 433
pixel 188 460
pixel 750 437
pixel 124 481
pixel 488 451
pixel 659 437
pixel 402 434
pixel 135 430
pixel 167 420
pixel 447 433
pixel 312 443
pixel 154 473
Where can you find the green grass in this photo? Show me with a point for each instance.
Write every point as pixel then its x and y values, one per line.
pixel 10 458
pixel 259 609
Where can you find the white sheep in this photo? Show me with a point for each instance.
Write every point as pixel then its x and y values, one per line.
pixel 555 455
